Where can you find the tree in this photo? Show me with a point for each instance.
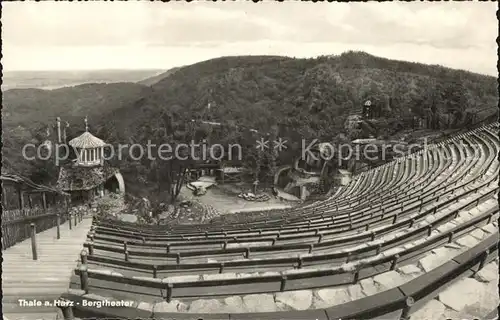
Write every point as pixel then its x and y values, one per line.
pixel 169 165
pixel 456 100
pixel 272 152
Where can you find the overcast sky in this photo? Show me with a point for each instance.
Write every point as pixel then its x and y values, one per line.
pixel 155 35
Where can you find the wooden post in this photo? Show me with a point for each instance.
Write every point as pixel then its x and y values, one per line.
pixel 394 262
pixel 406 310
pixel 58 221
pixel 33 241
pixel 67 311
pixel 83 257
pixel 44 201
pixel 170 288
pixel 84 278
pixel 155 271
pixel 75 216
pixel 484 256
pixel 67 203
pixel 69 220
pixel 4 198
pixel 21 200
pixel 283 283
pixel 356 277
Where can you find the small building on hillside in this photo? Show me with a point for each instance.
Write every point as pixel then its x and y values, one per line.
pixel 315 159
pixel 342 177
pixel 200 168
pixel 371 110
pixel 89 176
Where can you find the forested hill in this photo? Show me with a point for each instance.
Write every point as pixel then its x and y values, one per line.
pixel 311 96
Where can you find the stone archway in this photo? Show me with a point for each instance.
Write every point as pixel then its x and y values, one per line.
pixel 281 176
pixel 115 184
pixel 121 182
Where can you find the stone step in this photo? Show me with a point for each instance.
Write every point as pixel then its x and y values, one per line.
pixel 33 316
pixel 13 300
pixel 17 308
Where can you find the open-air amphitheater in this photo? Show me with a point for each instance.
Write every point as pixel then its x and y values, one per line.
pixel 415 238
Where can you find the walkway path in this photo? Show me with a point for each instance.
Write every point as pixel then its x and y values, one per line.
pixel 44 279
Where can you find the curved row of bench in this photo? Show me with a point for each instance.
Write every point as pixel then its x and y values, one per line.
pixel 263 230
pixel 398 302
pixel 303 213
pixel 313 228
pixel 421 202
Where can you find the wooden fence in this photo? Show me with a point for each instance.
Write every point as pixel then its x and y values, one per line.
pixel 16 224
pixel 29 207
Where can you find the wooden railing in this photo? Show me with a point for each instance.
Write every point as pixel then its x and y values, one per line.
pixel 16 224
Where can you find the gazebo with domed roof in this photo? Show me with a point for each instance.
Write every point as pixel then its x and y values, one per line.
pixel 89 149
pixel 89 175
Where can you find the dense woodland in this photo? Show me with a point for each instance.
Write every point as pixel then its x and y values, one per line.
pixel 279 96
